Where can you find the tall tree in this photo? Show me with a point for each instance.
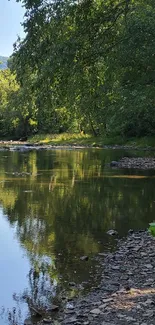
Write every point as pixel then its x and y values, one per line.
pixel 66 45
pixel 92 62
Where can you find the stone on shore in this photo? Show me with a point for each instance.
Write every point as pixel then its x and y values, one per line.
pixel 137 163
pixel 126 295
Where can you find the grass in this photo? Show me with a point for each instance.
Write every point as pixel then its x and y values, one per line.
pixel 148 141
pixel 89 140
pixel 59 138
pixel 75 139
pixel 79 139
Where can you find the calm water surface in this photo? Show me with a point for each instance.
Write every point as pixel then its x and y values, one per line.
pixel 56 206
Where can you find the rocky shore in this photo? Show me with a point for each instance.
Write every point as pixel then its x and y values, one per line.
pixel 136 163
pixel 26 145
pixel 126 294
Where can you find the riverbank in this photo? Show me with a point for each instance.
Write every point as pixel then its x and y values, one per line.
pixel 126 294
pixel 125 162
pixel 75 139
pixel 83 141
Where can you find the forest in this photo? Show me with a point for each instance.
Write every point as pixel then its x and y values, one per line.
pixel 83 66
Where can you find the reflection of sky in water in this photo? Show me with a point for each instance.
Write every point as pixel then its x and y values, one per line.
pixel 14 266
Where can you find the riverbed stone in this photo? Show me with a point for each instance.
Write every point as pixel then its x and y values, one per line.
pixel 106 300
pixel 71 320
pixel 149 266
pixel 112 232
pixel 103 306
pixel 84 258
pixel 47 320
pixel 105 323
pixel 138 163
pixel 53 308
pixel 132 300
pixel 114 163
pixel 95 311
pixel 69 306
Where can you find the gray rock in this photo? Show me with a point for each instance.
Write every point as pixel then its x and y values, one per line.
pixel 71 320
pixel 149 313
pixel 102 254
pixel 69 306
pixel 107 323
pixel 130 231
pixel 84 258
pixel 72 284
pixel 112 232
pixel 149 266
pixel 95 311
pixel 114 163
pixel 103 306
pixel 106 300
pixel 130 319
pixel 47 320
pixel 149 302
pixel 69 312
pixel 53 308
pixel 115 267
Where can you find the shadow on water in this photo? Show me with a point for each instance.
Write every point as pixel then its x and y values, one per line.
pixel 57 206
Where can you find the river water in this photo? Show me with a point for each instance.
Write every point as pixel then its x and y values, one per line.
pixel 56 206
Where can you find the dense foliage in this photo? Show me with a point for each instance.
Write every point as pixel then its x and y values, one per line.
pixel 85 65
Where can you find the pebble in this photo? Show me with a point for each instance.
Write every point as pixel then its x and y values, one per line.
pixel 148 313
pixel 69 306
pixel 95 311
pixel 112 232
pixel 84 258
pixel 138 163
pixel 149 266
pixel 105 323
pixel 71 320
pixel 72 284
pixel 47 320
pixel 132 299
pixel 103 306
pixel 107 300
pixel 149 302
pixel 130 319
pixel 53 308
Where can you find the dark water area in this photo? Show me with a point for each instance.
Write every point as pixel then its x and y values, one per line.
pixel 56 206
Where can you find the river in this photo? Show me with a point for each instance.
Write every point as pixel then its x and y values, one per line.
pixel 55 207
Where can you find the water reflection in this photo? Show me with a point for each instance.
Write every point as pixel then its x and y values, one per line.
pixel 57 206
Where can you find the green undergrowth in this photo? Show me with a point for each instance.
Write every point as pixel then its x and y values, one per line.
pixel 78 139
pixel 148 141
pixel 89 140
pixel 74 139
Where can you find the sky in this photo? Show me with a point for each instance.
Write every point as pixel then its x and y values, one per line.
pixel 11 15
